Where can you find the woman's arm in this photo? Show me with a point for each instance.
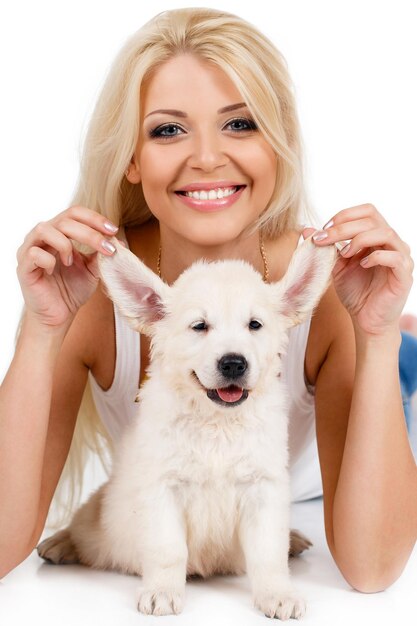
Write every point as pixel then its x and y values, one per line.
pixel 369 474
pixel 41 393
pixel 375 503
pixel 25 399
pixel 368 471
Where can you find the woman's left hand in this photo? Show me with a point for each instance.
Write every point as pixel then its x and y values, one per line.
pixel 372 277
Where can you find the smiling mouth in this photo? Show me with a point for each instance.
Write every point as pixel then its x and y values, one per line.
pixel 228 396
pixel 232 395
pixel 205 195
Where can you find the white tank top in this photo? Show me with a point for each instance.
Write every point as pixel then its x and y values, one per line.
pixel 116 406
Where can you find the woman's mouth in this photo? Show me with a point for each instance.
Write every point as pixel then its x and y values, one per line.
pixel 211 199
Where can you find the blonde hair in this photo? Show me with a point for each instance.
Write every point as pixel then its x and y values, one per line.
pixel 260 73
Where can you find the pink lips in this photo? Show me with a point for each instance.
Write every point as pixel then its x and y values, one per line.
pixel 211 205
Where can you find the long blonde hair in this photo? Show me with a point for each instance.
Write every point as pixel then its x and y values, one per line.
pixel 260 73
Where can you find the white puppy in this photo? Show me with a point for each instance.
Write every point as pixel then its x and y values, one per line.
pixel 200 481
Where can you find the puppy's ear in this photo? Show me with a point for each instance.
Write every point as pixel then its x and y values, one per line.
pixel 137 292
pixel 306 279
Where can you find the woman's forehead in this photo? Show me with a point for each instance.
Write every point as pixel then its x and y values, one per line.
pixel 186 80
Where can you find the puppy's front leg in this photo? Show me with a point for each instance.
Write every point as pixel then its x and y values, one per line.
pixel 264 535
pixel 164 556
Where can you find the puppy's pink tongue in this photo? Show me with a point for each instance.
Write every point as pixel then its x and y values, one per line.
pixel 230 394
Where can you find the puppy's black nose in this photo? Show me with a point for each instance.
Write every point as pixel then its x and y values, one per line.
pixel 232 365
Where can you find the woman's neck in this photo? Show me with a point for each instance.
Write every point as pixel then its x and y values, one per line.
pixel 178 253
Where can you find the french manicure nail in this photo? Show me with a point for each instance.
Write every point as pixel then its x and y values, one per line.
pixel 328 225
pixel 320 235
pixel 108 246
pixel 345 250
pixel 341 244
pixel 111 227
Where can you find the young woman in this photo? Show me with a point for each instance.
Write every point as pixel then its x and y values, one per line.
pixel 194 151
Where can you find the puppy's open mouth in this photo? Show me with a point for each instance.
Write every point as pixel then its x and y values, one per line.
pixel 226 396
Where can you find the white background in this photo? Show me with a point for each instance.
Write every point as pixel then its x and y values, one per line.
pixel 354 68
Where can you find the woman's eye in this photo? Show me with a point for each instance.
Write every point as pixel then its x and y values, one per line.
pixel 248 124
pixel 255 325
pixel 199 326
pixel 168 131
pixel 164 131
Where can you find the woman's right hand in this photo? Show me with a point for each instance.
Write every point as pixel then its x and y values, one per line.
pixel 55 278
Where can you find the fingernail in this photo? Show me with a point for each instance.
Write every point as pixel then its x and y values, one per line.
pixel 111 227
pixel 320 235
pixel 108 246
pixel 328 225
pixel 341 244
pixel 364 261
pixel 303 228
pixel 346 249
pixel 70 260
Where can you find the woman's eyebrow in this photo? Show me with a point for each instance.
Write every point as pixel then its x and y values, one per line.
pixel 230 107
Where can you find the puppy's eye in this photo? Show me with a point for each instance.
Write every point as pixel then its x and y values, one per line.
pixel 199 326
pixel 255 325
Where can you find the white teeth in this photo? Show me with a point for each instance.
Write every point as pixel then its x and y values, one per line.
pixel 212 194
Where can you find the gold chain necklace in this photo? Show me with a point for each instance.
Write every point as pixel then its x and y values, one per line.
pixel 261 249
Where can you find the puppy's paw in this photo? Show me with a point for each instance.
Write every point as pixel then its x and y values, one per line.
pixel 161 601
pixel 298 543
pixel 282 604
pixel 59 548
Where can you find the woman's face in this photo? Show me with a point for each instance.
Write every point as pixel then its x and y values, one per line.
pixel 196 142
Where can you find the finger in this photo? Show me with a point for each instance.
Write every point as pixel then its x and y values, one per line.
pixel 356 212
pixel 360 231
pixel 58 233
pixel 45 236
pixel 342 263
pixel 85 234
pixel 51 250
pixel 306 232
pixel 37 258
pixel 392 259
pixel 384 237
pixel 344 231
pixel 90 218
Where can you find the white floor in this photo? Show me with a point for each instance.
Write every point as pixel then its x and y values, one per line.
pixel 40 593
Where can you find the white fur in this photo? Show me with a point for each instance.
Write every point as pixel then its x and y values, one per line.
pixel 198 487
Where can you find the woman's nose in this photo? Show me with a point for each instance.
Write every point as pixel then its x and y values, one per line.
pixel 208 152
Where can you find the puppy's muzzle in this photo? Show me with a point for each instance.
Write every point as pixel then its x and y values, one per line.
pixel 232 368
